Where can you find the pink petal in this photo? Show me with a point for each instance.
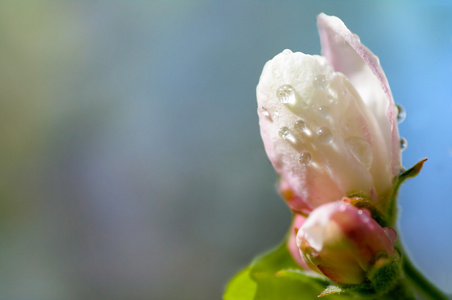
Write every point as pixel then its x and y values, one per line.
pixel 364 231
pixel 347 55
pixel 298 220
pixel 296 203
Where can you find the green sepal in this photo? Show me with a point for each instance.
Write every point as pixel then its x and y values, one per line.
pixel 391 207
pixel 385 273
pixel 410 173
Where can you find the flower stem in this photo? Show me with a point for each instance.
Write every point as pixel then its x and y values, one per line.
pixel 418 281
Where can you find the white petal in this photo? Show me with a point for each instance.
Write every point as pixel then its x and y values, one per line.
pixel 314 227
pixel 346 54
pixel 333 114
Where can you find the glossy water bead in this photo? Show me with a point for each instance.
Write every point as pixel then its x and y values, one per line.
pixel 324 111
pixel 305 158
pixel 265 112
pixel 287 51
pixel 300 125
pixel 361 150
pixel 284 132
pixel 324 135
pixel 403 144
pixel 321 82
pixel 401 113
pixel 286 94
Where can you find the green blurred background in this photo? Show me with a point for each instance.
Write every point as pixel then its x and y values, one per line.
pixel 131 165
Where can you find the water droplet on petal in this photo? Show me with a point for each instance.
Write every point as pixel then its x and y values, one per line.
pixel 401 113
pixel 402 170
pixel 284 133
pixel 321 82
pixel 324 135
pixel 324 111
pixel 287 51
pixel 331 100
pixel 265 112
pixel 403 144
pixel 357 37
pixel 300 125
pixel 390 233
pixel 365 214
pixel 305 158
pixel 310 253
pixel 375 59
pixel 286 94
pixel 361 150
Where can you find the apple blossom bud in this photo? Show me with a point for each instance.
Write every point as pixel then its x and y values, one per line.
pixel 328 122
pixel 343 242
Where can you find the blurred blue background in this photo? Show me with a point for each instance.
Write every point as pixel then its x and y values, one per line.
pixel 131 165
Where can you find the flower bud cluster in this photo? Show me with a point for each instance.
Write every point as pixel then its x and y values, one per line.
pixel 329 127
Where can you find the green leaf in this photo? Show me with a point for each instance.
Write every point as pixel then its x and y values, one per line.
pixel 241 287
pixel 301 275
pixel 271 287
pixel 276 276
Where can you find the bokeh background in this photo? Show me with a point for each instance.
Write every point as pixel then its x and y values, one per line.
pixel 131 165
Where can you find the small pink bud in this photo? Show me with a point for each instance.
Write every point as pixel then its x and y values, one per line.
pixel 343 242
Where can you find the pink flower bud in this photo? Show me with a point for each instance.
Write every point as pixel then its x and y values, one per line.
pixel 342 242
pixel 328 122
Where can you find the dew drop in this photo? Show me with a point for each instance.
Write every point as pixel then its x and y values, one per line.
pixel 284 133
pixel 361 150
pixel 286 94
pixel 375 60
pixel 324 135
pixel 300 125
pixel 321 82
pixel 305 158
pixel 403 144
pixel 365 214
pixel 331 100
pixel 287 51
pixel 390 233
pixel 324 111
pixel 265 112
pixel 401 113
pixel 310 253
